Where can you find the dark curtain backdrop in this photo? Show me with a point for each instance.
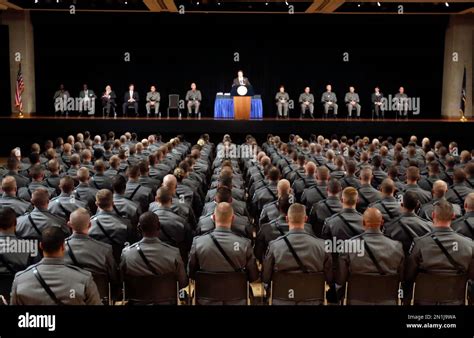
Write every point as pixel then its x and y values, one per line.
pixel 172 51
pixel 5 103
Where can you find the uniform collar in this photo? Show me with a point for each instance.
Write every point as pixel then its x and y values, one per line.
pixel 150 240
pixel 373 231
pixel 442 229
pixel 52 261
pixel 79 236
pixel 296 231
pixel 222 229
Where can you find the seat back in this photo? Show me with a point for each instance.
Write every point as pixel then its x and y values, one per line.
pixel 439 289
pixel 6 282
pixel 221 286
pixel 373 289
pixel 298 286
pixel 144 290
pixel 173 100
pixel 103 286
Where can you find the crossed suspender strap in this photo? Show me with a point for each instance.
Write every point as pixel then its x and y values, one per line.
pixel 67 213
pixel 34 225
pixel 387 210
pixel 73 257
pixel 295 255
pixel 331 210
pixel 460 269
pixel 271 192
pixel 146 261
pixel 408 230
pixel 363 197
pixel 319 191
pixel 469 227
pixel 223 253
pixel 46 287
pixel 457 194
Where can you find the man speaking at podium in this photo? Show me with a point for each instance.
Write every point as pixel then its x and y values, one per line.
pixel 240 80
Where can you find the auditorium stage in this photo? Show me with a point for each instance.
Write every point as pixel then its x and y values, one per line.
pixel 31 128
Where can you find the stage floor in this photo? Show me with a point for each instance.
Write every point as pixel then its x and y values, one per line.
pixel 32 128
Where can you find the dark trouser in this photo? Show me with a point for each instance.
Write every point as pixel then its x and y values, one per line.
pixel 127 105
pixel 378 110
pixel 108 107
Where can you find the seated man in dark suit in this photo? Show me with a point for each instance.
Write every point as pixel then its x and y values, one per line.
pixel 240 80
pixel 130 100
pixel 108 100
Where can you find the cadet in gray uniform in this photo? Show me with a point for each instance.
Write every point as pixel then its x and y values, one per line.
pixel 306 101
pixel 9 199
pixel 51 281
pixel 465 224
pixel 352 101
pixel 429 253
pixel 282 99
pixel 439 194
pixel 205 254
pixel 108 227
pixel 329 100
pixel 84 191
pixel 87 253
pixel 31 224
pixel 318 191
pixel 413 176
pixel 11 261
pixel 386 256
pixel 65 203
pixel 37 176
pixel 367 193
pixel 194 98
pixel 151 256
pixel 460 189
pixel 296 251
pixel 387 205
pixel 135 191
pixel 326 208
pixel 348 222
pixel 124 207
pixel 152 100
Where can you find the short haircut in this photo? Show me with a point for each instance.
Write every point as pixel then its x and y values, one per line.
pixel 351 167
pixel 274 174
pixel 297 214
pixel 83 174
pixel 366 174
pixel 99 166
pixel 350 195
pixel 9 184
pixel 36 171
pixel 133 171
pixel 149 222
pixel 119 184
pixel 223 213
pixel 67 184
pixel 40 198
pixel 164 195
pixel 413 173
pixel 443 211
pixel 334 186
pixel 410 200
pixel 323 173
pixel 459 175
pixel 79 219
pixel 223 194
pixel 52 238
pixel 7 218
pixel 104 199
pixel 387 186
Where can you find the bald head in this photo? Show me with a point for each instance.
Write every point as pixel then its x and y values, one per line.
pixel 296 217
pixel 283 187
pixel 79 221
pixel 372 218
pixel 170 182
pixel 223 215
pixel 310 168
pixel 439 188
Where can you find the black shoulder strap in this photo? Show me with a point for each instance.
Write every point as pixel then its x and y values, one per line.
pixel 470 184
pixel 66 212
pixel 469 226
pixel 104 232
pixel 73 257
pixel 271 192
pixel 363 197
pixel 346 181
pixel 319 191
pixel 34 225
pixel 146 261
pixel 117 211
pixel 95 183
pixel 350 226
pixel 460 269
pixel 295 255
pixel 331 210
pixel 387 210
pixel 46 287
pixel 458 195
pixel 277 226
pixel 408 229
pixel 373 259
pixel 223 253
pixel 135 191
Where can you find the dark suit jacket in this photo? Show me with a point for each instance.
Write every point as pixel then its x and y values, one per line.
pixel 111 100
pixel 126 97
pixel 237 83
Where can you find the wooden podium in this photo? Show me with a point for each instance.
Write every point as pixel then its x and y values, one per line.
pixel 242 106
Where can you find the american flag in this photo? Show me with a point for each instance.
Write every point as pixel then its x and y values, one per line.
pixel 20 87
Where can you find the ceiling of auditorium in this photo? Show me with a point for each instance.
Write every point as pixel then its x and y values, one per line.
pixel 250 6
